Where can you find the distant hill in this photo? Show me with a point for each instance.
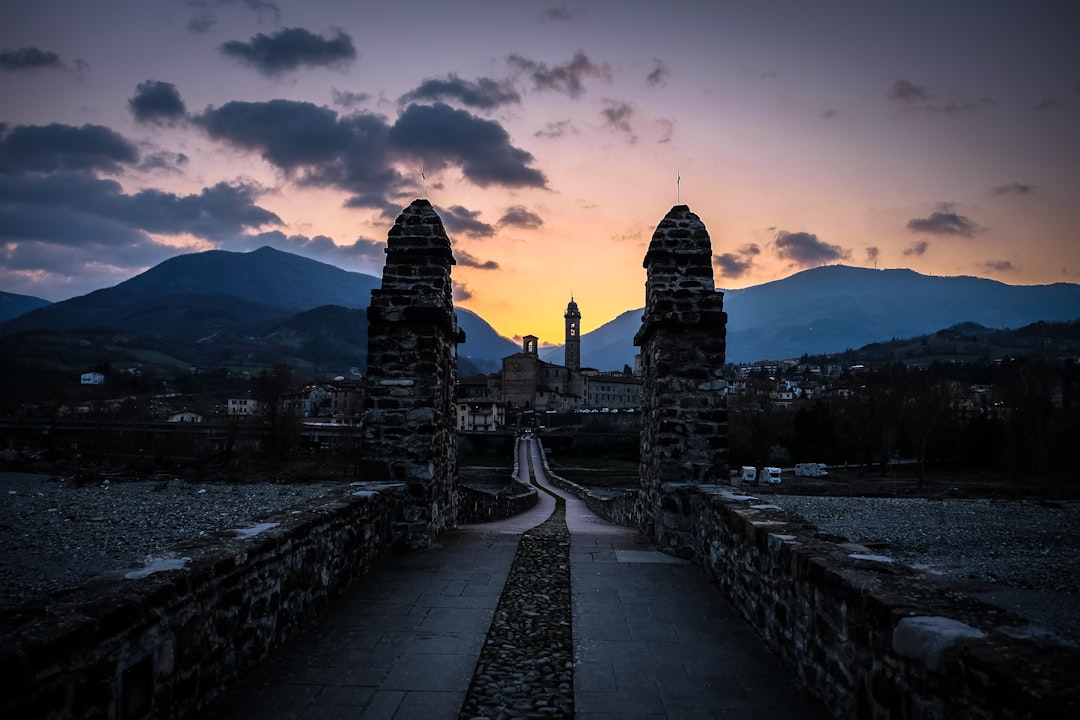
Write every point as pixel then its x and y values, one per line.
pixel 219 308
pixel 12 305
pixel 830 309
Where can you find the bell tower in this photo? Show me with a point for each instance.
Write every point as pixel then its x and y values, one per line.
pixel 572 346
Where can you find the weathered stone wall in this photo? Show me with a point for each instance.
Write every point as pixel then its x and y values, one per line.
pixel 487 504
pixel 165 645
pixel 682 340
pixel 409 413
pixel 872 639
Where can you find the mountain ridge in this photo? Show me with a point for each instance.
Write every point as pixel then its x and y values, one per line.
pixel 821 310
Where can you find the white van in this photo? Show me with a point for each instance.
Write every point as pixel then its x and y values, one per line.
pixel 811 470
pixel 771 474
pixel 749 474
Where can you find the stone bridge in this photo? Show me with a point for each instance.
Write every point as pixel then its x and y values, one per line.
pixel 682 599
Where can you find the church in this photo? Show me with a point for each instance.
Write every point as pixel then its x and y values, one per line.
pixel 528 384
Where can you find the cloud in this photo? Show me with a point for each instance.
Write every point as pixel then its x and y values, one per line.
pixel 465 259
pixel 735 265
pixel 1050 104
pixel 872 254
pixel 29 58
pixel 944 223
pixel 483 93
pixel 462 220
pixel 905 91
pixel 560 12
pixel 616 117
pixel 919 97
pixel 359 152
pixel 1000 266
pixel 519 216
pixel 163 160
pixel 1015 188
pixel 461 291
pixel 557 129
pixel 658 76
pixel 81 232
pixel 347 98
pixel 806 250
pixel 917 249
pixel 667 129
pixel 362 253
pixel 200 24
pixel 157 102
pixel 828 114
pixel 49 148
pixel 481 148
pixel 566 78
pixel 291 48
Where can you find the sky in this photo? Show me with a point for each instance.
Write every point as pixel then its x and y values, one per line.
pixel 551 137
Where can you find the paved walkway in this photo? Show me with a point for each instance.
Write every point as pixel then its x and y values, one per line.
pixel 652 637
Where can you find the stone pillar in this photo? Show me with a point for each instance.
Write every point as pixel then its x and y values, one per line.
pixel 682 340
pixel 409 412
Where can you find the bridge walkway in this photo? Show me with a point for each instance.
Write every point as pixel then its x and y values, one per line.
pixel 653 638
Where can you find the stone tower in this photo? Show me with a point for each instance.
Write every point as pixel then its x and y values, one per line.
pixel 409 411
pixel 682 340
pixel 572 346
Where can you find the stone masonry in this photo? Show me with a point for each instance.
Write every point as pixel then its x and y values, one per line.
pixel 412 362
pixel 682 340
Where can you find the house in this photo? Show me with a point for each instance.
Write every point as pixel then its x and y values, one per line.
pixel 92 378
pixel 480 415
pixel 185 417
pixel 244 406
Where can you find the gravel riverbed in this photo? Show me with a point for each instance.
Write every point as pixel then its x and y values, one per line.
pixel 56 533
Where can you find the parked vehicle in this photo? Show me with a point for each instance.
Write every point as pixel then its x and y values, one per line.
pixel 771 475
pixel 749 474
pixel 811 470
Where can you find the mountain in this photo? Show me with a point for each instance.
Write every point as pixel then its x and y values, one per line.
pixel 12 305
pixel 829 309
pixel 216 306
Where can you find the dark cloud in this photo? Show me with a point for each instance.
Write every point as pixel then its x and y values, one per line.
pixel 221 210
pixel 83 232
pixel 658 76
pixel 464 259
pixel 1050 104
pixel 519 216
pixel 291 48
pixel 49 148
pixel 828 114
pixel 347 98
pixel 735 265
pixel 560 13
pixel 464 221
pixel 917 249
pixel 905 91
pixel 556 129
pixel 872 254
pixel 461 291
pixel 163 160
pixel 1014 188
pixel 157 102
pixel 998 266
pixel 442 135
pixel 29 58
pixel 566 78
pixel 616 117
pixel 315 146
pixel 919 97
pixel 200 24
pixel 483 93
pixel 732 266
pixel 362 253
pixel 806 250
pixel 944 223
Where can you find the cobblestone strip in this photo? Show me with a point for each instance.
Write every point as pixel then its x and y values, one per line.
pixel 526 667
